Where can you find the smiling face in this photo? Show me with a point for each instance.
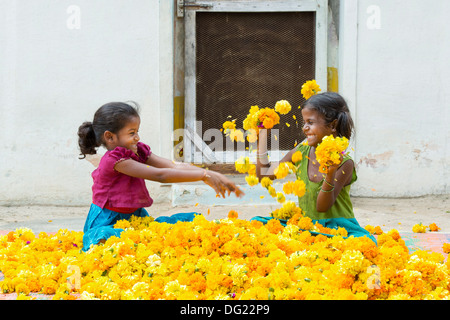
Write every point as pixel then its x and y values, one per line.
pixel 315 127
pixel 127 137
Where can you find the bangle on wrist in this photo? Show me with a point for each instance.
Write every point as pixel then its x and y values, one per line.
pixel 326 191
pixel 331 185
pixel 260 155
pixel 205 174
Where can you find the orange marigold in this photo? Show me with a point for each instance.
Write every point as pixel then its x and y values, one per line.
pixel 434 227
pixel 232 214
pixel 378 230
pixel 274 226
pixel 446 247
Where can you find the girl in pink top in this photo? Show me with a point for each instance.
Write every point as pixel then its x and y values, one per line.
pixel 119 189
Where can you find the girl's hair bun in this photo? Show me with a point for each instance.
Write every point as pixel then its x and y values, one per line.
pixel 87 140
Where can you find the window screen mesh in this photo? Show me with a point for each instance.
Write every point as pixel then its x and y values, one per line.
pixel 246 59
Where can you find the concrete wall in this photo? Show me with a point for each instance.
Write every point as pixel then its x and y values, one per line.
pixel 395 74
pixel 59 62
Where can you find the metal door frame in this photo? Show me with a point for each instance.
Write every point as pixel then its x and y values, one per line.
pixel 320 7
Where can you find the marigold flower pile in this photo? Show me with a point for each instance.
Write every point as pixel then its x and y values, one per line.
pixel 221 259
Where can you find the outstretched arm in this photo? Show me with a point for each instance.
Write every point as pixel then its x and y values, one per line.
pixel 165 171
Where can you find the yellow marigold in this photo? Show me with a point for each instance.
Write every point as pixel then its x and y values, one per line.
pixel 288 187
pixel 22 296
pixel 287 211
pixel 252 135
pixel 370 228
pixel 227 125
pixel 266 182
pixel 251 121
pixel 419 228
pixel 282 170
pixel 122 224
pixel 272 191
pixel 305 223
pixel 282 107
pixel 310 88
pixel 237 135
pixel 352 262
pixel 253 109
pixel 24 234
pixel 242 164
pixel 296 187
pixel 252 170
pixel 280 197
pixel 252 180
pixel 297 157
pixel 329 151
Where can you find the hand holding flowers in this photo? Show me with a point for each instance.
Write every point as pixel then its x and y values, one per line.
pixel 329 153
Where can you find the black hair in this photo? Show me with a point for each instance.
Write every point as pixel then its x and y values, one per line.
pixel 332 106
pixel 111 117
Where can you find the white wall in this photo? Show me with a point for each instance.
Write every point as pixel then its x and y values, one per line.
pixel 395 73
pixel 54 77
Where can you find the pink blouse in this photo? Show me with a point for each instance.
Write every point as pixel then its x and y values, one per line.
pixel 113 189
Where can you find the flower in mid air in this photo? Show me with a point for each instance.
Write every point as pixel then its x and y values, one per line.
pixel 280 197
pixel 227 125
pixel 310 88
pixel 282 170
pixel 282 107
pixel 252 135
pixel 243 164
pixel 296 187
pixel 237 135
pixel 297 157
pixel 266 182
pixel 252 180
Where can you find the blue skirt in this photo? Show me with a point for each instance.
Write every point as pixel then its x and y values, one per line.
pixel 100 223
pixel 351 225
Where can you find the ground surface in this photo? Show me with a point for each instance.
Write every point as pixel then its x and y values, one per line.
pixel 400 214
